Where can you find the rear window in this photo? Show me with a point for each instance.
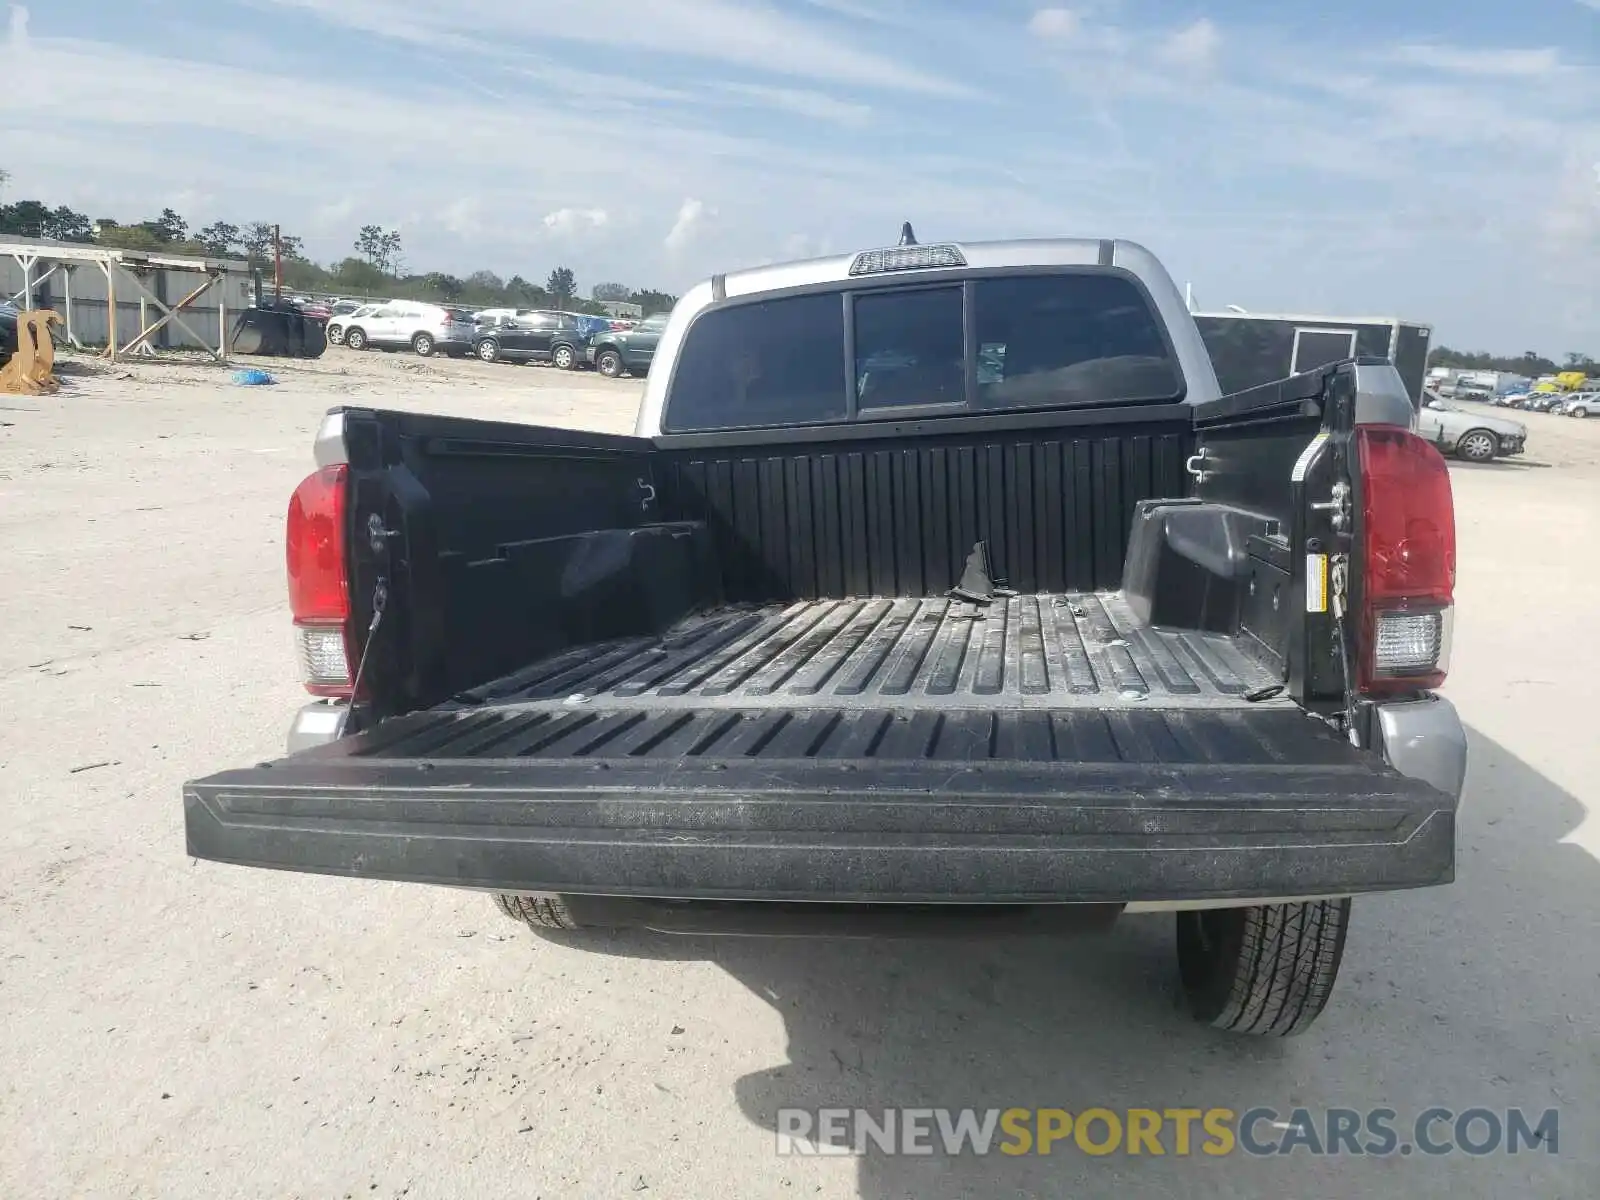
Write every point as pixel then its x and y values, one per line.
pixel 774 362
pixel 1041 341
pixel 1047 341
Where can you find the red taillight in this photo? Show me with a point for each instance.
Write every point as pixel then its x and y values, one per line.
pixel 319 594
pixel 1409 549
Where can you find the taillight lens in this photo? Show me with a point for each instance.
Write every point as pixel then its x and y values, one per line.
pixel 319 593
pixel 1409 558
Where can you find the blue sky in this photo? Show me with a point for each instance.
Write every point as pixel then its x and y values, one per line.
pixel 1436 160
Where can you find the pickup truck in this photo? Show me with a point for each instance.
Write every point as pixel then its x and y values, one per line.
pixel 937 589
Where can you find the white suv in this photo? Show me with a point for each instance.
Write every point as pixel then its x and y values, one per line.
pixel 340 321
pixel 426 328
pixel 1582 404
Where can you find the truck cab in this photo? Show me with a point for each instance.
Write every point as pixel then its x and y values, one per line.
pixel 938 587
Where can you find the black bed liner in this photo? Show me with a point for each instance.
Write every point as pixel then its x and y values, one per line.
pixel 1020 652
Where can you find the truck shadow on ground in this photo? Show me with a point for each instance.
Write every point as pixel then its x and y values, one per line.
pixel 1478 994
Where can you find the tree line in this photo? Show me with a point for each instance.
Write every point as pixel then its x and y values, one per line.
pixel 376 268
pixel 1528 363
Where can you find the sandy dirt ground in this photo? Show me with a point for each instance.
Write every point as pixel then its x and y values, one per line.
pixel 180 1029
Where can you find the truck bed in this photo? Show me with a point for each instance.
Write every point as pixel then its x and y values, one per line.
pixel 1044 748
pixel 1039 651
pixel 1032 677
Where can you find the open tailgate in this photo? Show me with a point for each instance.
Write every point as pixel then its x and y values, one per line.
pixel 845 805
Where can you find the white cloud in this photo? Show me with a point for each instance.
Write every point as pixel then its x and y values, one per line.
pixel 461 216
pixel 566 222
pixel 804 245
pixel 1195 45
pixel 898 15
pixel 333 213
pixel 1505 63
pixel 1054 23
pixel 735 32
pixel 692 216
pixel 17 30
pixel 816 105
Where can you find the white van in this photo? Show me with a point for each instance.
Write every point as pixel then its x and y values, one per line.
pixel 426 328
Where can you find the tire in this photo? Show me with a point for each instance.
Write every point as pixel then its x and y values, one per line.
pixel 609 364
pixel 488 350
pixel 1267 969
pixel 536 912
pixel 422 343
pixel 1478 445
pixel 336 335
pixel 564 357
pixel 356 338
pixel 1580 413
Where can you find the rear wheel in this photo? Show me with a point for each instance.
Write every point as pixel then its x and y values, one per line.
pixel 423 344
pixel 537 912
pixel 609 364
pixel 356 339
pixel 564 357
pixel 1479 445
pixel 1267 969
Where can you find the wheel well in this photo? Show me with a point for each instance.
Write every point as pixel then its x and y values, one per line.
pixel 604 346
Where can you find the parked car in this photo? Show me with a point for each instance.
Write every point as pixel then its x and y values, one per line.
pixel 532 337
pixel 1475 437
pixel 490 318
pixel 1550 402
pixel 1583 404
pixel 647 681
pixel 426 328
pixel 618 352
pixel 343 308
pixel 338 322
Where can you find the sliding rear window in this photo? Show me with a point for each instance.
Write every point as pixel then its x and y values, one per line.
pixel 1061 340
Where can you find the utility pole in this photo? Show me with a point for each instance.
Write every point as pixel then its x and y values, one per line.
pixel 277 262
